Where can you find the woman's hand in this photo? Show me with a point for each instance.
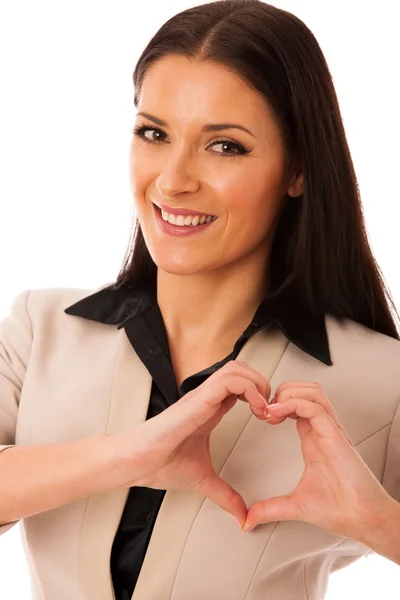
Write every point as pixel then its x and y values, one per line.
pixel 337 490
pixel 172 450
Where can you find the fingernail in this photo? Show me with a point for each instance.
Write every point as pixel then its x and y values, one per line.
pixel 246 529
pixel 240 522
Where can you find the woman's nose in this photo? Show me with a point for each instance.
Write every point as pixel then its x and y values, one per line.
pixel 177 177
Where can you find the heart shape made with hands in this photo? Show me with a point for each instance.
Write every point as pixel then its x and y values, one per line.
pixel 337 491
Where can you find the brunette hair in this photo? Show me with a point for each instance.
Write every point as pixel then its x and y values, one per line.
pixel 320 251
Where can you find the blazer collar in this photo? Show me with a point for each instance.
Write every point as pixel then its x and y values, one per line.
pixel 117 305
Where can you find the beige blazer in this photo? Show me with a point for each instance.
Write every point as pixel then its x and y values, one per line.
pixel 63 378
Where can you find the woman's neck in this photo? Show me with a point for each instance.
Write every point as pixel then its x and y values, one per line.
pixel 209 308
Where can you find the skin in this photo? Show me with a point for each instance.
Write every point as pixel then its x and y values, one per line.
pixel 188 169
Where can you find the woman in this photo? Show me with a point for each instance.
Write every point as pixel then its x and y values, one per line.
pixel 125 449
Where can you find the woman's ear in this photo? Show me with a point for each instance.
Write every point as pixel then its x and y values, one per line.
pixel 296 185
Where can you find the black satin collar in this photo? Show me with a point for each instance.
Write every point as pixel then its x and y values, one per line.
pixel 114 305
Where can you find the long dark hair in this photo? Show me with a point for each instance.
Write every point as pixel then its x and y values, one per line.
pixel 320 251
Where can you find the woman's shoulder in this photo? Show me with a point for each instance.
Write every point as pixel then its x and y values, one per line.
pixel 351 336
pixel 52 301
pixel 367 357
pixel 363 383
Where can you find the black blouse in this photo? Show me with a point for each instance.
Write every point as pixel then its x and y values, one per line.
pixel 137 311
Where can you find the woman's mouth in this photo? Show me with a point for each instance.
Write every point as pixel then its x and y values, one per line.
pixel 182 224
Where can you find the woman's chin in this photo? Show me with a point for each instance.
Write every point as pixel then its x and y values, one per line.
pixel 174 267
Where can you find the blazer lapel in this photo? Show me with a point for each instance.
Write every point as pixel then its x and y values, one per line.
pixel 129 403
pixel 181 508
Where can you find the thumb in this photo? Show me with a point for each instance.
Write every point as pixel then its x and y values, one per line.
pixel 221 493
pixel 281 508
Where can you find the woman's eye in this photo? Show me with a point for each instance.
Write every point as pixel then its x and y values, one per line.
pixel 226 144
pixel 153 135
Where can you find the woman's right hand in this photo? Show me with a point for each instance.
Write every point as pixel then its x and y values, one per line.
pixel 172 450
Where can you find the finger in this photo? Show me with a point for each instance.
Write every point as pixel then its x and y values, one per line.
pixel 310 394
pixel 246 391
pixel 240 367
pixel 221 493
pixel 195 410
pixel 229 403
pixel 289 385
pixel 309 391
pixel 321 422
pixel 258 412
pixel 200 406
pixel 235 383
pixel 224 407
pixel 281 508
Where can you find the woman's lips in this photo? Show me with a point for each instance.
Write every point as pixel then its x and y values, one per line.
pixel 178 230
pixel 182 211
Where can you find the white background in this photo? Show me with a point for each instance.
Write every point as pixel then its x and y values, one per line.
pixel 66 110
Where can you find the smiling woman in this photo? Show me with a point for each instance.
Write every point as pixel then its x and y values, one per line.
pixel 245 361
pixel 179 167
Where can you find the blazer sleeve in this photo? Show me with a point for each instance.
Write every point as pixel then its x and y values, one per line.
pixel 391 475
pixel 15 347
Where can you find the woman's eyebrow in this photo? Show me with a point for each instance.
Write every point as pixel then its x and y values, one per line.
pixel 209 127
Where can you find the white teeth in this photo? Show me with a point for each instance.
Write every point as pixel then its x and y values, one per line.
pixel 172 219
pixel 185 221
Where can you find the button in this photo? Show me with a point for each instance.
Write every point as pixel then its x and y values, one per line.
pixel 150 517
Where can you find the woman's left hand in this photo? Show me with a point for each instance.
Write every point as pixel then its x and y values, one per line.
pixel 337 491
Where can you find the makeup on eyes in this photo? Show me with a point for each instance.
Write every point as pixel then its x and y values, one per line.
pixel 140 130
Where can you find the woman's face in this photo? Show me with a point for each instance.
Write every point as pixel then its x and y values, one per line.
pixel 238 177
